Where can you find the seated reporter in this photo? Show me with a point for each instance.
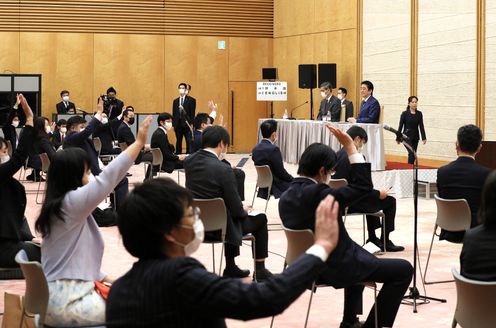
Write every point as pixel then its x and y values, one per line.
pixel 160 139
pixel 125 135
pixel 168 288
pixel 72 246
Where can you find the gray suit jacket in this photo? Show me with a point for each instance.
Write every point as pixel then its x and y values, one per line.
pixel 333 106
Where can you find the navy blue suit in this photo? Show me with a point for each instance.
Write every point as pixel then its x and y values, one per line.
pixel 349 264
pixel 266 153
pixel 370 111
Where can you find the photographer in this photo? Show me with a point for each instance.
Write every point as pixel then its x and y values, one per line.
pixel 111 105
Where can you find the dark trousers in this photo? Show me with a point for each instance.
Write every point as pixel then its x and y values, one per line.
pixel 411 157
pixel 180 132
pixel 9 249
pixel 395 274
pixel 121 191
pixel 257 226
pixel 369 204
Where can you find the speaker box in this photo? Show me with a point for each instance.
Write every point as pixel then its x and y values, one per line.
pixel 307 76
pixel 269 73
pixel 327 73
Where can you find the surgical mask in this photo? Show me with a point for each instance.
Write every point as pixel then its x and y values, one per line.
pixel 15 124
pixel 63 130
pixel 182 91
pixel 194 244
pixel 323 94
pixel 131 121
pixel 65 98
pixel 104 120
pixel 4 159
pixel 47 129
pixel 168 125
pixel 340 96
pixel 82 129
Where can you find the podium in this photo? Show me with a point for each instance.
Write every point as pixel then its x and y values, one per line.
pixel 486 156
pixel 27 84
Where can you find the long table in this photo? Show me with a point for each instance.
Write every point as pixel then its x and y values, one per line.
pixel 294 136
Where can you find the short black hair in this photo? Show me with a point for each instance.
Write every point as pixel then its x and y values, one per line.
pixel 188 87
pixel 149 212
pixel 487 210
pixel 368 84
pixel 469 138
pixel 326 85
pixel 63 92
pixel 126 112
pixel 343 90
pixel 131 108
pixel 358 131
pixel 61 122
pixel 182 84
pixel 163 116
pixel 268 127
pixel 213 135
pixel 111 89
pixel 316 155
pixel 201 118
pixel 73 120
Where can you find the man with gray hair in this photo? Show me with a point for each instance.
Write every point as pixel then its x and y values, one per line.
pixel 330 106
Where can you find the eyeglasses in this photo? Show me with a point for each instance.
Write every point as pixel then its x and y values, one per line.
pixel 195 214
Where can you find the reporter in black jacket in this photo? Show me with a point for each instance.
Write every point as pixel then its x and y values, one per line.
pixel 168 288
pixel 14 230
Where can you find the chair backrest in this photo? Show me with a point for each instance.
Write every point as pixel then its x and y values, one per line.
pixel 264 176
pixel 475 302
pixel 337 183
pixel 453 214
pixel 213 214
pixel 36 296
pixel 122 146
pixel 9 147
pixel 98 144
pixel 45 162
pixel 157 157
pixel 298 242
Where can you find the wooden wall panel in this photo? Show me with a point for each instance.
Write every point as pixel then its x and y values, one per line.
pixel 293 17
pixel 247 57
pixel 9 48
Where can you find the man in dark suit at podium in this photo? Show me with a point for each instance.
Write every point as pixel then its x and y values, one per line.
pixel 350 264
pixel 342 93
pixel 65 106
pixel 370 109
pixel 463 178
pixel 183 113
pixel 330 105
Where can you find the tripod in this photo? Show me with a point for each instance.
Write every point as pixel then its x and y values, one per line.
pixel 414 296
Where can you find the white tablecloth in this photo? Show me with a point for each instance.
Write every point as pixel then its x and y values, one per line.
pixel 294 136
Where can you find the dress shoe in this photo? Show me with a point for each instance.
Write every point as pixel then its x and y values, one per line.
pixel 235 272
pixel 262 275
pixel 390 247
pixel 376 241
pixel 356 324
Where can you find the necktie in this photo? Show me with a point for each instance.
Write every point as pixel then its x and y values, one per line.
pixel 62 137
pixel 181 101
pixel 65 103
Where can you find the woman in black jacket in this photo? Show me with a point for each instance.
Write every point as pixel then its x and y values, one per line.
pixel 411 120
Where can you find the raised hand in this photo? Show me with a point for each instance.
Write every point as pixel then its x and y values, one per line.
pixel 212 106
pixel 344 139
pixel 27 110
pixel 99 106
pixel 326 224
pixel 143 130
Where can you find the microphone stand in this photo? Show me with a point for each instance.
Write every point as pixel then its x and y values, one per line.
pixel 291 112
pixel 414 296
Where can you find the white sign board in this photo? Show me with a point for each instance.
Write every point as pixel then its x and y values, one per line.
pixel 272 91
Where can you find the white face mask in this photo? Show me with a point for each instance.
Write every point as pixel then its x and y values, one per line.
pixel 4 159
pixel 65 98
pixel 168 125
pixel 63 130
pixel 194 244
pixel 340 96
pixel 81 129
pixel 15 124
pixel 47 129
pixel 323 94
pixel 104 120
pixel 182 91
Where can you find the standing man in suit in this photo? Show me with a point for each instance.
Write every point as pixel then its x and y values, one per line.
pixel 124 134
pixel 373 201
pixel 208 177
pixel 350 264
pixel 170 161
pixel 183 113
pixel 370 109
pixel 348 104
pixel 463 178
pixel 65 106
pixel 329 106
pixel 266 153
pixel 112 106
pixel 78 135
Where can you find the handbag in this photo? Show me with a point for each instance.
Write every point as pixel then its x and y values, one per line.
pixel 14 314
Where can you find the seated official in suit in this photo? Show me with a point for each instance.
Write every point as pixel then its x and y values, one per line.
pixel 330 108
pixel 203 121
pixel 58 134
pixel 166 287
pixel 349 265
pixel 106 135
pixel 78 135
pixel 208 177
pixel 14 229
pixel 266 153
pixel 463 178
pixel 160 140
pixel 374 201
pixel 124 134
pixel 342 93
pixel 65 106
pixel 370 109
pixel 478 256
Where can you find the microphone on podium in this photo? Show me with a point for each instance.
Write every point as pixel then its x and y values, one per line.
pixel 291 112
pixel 399 135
